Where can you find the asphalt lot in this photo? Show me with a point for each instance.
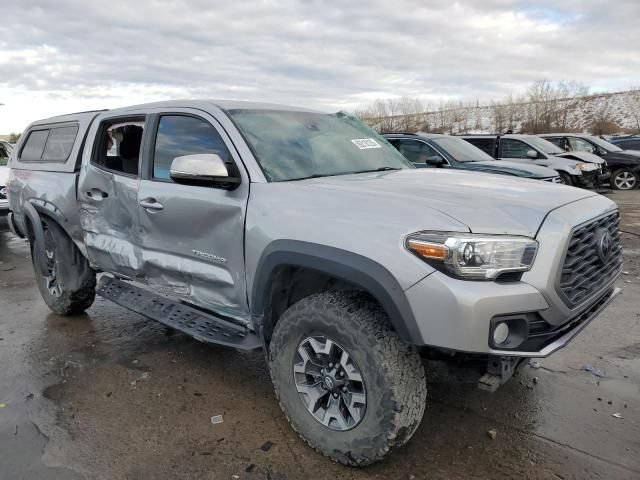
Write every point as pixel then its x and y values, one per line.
pixel 111 395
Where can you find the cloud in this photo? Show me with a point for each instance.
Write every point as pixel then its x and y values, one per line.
pixel 66 55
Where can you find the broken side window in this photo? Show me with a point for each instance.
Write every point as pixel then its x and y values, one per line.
pixel 119 145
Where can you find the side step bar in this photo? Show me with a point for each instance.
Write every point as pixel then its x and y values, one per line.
pixel 202 326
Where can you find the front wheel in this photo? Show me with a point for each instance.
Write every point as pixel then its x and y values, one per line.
pixel 624 179
pixel 566 179
pixel 347 384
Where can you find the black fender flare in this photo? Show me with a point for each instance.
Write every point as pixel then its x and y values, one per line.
pixel 38 236
pixel 351 267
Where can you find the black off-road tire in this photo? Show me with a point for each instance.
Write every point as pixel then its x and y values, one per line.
pixel 73 289
pixel 392 371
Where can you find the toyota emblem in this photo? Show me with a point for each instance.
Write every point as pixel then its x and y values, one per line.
pixel 604 245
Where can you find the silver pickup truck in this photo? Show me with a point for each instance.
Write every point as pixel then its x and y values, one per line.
pixel 307 234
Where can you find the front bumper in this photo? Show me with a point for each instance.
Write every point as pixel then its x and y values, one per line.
pixel 603 175
pixel 4 208
pixel 457 314
pixel 587 179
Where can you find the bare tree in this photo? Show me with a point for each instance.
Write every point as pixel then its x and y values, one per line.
pixel 603 123
pixel 497 112
pixel 408 111
pixel 568 95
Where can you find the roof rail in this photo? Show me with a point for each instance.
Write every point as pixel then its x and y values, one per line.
pixel 87 111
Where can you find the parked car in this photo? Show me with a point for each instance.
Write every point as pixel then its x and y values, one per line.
pixel 446 151
pixel 5 151
pixel 624 164
pixel 580 170
pixel 626 142
pixel 306 235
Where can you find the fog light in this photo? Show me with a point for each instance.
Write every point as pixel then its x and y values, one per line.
pixel 500 333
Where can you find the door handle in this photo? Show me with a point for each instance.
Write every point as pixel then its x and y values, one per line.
pixel 151 204
pixel 97 194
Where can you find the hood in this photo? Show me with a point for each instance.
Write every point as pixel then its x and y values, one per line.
pixel 635 153
pixel 418 198
pixel 4 175
pixel 554 162
pixel 582 157
pixel 628 155
pixel 512 168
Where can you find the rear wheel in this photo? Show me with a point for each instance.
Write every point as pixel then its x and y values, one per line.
pixel 624 179
pixel 347 384
pixel 68 286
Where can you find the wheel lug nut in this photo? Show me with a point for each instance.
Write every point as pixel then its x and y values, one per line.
pixel 335 395
pixel 344 389
pixel 330 365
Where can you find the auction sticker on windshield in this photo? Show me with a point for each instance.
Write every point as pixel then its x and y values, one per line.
pixel 364 143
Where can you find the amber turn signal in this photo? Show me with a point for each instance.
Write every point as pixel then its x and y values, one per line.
pixel 432 251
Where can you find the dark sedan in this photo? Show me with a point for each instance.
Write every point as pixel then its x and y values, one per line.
pixel 435 150
pixel 623 164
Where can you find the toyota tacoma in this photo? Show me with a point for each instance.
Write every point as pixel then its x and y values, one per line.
pixel 306 234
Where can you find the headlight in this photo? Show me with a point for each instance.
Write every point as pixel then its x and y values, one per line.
pixel 587 167
pixel 472 256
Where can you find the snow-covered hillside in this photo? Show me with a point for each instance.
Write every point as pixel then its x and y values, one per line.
pixel 606 113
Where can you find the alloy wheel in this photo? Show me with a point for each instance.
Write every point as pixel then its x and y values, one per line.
pixel 625 180
pixel 329 383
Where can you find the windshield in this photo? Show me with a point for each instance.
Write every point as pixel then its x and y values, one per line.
pixel 609 147
pixel 545 146
pixel 295 145
pixel 461 150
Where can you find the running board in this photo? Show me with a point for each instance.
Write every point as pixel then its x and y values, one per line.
pixel 202 326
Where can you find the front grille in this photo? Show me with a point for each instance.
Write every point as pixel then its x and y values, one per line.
pixel 586 270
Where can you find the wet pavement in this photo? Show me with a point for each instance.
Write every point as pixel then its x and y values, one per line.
pixel 111 395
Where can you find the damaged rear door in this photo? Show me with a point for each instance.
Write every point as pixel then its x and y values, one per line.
pixel 108 192
pixel 192 237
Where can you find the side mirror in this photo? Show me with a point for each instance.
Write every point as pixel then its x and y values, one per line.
pixel 203 169
pixel 434 160
pixel 532 154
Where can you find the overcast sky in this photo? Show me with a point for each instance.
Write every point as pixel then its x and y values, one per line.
pixel 63 56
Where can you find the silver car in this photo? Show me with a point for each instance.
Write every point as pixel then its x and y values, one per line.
pixel 579 169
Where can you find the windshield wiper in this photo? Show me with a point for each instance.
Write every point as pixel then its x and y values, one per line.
pixel 380 169
pixel 315 175
pixel 320 175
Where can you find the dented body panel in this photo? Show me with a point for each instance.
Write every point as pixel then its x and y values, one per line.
pixel 60 202
pixel 193 247
pixel 110 223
